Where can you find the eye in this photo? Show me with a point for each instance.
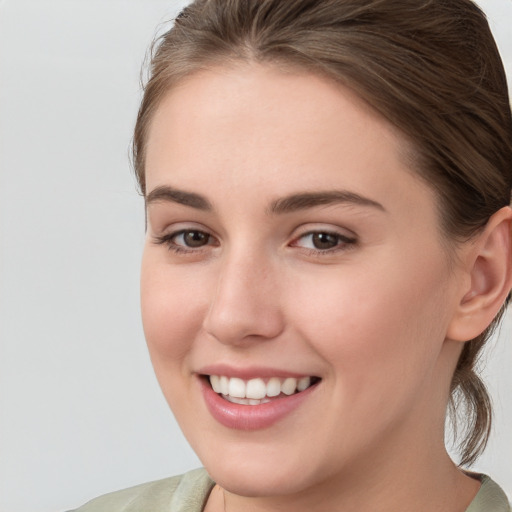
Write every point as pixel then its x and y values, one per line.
pixel 191 238
pixel 323 241
pixel 186 240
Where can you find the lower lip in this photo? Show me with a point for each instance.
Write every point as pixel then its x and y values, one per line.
pixel 251 417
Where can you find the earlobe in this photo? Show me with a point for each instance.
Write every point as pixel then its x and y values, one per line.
pixel 489 267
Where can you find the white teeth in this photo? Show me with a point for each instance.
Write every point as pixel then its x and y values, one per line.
pixel 245 401
pixel 289 386
pixel 273 387
pixel 224 385
pixel 215 382
pixel 304 383
pixel 256 391
pixel 237 388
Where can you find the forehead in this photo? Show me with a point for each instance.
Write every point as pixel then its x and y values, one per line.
pixel 250 125
pixel 282 95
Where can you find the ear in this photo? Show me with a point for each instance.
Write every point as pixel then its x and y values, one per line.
pixel 489 268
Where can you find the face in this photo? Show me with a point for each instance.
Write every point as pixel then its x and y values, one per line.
pixel 296 292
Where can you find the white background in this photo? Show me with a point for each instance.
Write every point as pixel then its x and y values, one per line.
pixel 80 411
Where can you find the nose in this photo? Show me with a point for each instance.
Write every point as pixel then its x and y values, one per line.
pixel 245 306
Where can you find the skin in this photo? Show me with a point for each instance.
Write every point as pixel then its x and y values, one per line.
pixel 374 318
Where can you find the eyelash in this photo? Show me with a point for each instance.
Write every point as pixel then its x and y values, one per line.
pixel 169 238
pixel 344 242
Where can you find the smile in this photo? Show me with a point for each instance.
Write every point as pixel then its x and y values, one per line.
pixel 234 402
pixel 258 391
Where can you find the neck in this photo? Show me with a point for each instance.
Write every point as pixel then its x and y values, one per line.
pixel 387 482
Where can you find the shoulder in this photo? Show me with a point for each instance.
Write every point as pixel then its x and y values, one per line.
pixel 490 498
pixel 184 493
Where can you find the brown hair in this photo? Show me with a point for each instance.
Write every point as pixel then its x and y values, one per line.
pixel 430 67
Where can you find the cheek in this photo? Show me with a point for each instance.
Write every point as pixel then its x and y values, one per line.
pixel 170 306
pixel 379 326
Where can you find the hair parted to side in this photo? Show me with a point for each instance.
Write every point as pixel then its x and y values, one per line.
pixel 430 67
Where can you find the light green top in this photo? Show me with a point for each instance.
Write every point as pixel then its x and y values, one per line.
pixel 490 498
pixel 189 492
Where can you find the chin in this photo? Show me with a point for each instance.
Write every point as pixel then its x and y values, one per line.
pixel 260 482
pixel 262 471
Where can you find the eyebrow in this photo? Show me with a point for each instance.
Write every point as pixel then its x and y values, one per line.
pixel 304 200
pixel 173 195
pixel 287 204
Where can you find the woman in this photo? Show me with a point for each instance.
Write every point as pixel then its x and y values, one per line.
pixel 328 248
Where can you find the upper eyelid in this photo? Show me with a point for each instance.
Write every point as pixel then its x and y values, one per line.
pixel 311 228
pixel 331 231
pixel 174 228
pixel 348 239
pixel 298 232
pixel 176 232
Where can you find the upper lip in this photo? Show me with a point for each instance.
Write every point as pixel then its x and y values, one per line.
pixel 251 372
